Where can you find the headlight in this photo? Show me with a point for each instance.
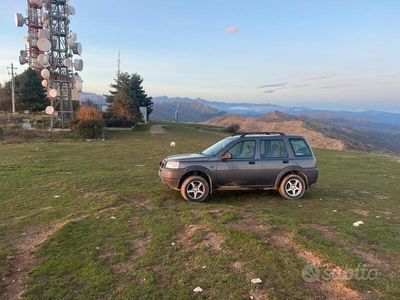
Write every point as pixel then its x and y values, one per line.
pixel 172 165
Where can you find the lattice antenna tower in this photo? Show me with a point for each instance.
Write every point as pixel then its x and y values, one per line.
pixel 50 49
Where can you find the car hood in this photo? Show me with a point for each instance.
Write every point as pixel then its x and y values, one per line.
pixel 187 157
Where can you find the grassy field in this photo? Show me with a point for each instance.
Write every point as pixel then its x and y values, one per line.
pixel 91 220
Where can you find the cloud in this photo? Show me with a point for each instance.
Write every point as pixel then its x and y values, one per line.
pixel 273 85
pixel 232 29
pixel 300 86
pixel 338 86
pixel 318 78
pixel 269 92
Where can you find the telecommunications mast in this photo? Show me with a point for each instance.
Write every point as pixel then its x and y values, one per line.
pixel 50 49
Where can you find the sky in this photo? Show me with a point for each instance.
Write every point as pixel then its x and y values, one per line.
pixel 337 54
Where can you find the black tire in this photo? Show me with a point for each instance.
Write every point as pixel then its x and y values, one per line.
pixel 195 189
pixel 292 187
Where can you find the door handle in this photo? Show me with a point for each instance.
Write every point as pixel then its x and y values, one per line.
pixel 252 162
pixel 285 161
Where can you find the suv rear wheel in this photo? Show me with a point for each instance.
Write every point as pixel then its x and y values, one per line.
pixel 292 187
pixel 195 189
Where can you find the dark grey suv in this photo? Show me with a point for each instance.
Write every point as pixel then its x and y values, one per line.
pixel 245 161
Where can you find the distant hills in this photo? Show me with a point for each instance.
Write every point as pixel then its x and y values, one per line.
pixel 100 100
pixel 378 120
pixel 360 130
pixel 320 133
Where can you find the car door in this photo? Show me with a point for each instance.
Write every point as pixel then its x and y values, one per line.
pixel 274 156
pixel 241 168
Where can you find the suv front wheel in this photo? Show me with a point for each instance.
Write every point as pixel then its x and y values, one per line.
pixel 292 187
pixel 195 189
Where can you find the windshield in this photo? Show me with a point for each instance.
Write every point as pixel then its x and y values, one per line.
pixel 216 148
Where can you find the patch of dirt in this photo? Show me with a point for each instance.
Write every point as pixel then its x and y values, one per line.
pixel 361 212
pixel 332 289
pixel 380 260
pixel 157 129
pixel 256 293
pixel 210 239
pixel 24 258
pixel 250 224
pixel 138 248
pixel 381 197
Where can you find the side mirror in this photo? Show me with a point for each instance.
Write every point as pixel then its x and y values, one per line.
pixel 226 156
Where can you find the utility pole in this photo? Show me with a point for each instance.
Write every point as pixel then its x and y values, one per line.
pixel 12 86
pixel 119 63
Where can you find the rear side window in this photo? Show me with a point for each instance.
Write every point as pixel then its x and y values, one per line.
pixel 243 150
pixel 273 149
pixel 300 148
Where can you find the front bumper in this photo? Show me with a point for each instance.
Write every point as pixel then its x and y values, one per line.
pixel 171 177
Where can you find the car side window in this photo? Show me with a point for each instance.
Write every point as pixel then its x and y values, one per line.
pixel 243 150
pixel 300 148
pixel 273 149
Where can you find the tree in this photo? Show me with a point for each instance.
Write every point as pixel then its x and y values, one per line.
pixel 122 105
pixel 29 92
pixel 5 97
pixel 139 93
pixel 132 95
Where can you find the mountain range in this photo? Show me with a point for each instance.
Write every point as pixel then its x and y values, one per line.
pixel 375 131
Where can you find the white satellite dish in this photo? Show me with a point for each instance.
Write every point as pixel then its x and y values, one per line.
pixel 70 42
pixel 78 65
pixel 73 36
pixel 49 110
pixel 77 49
pixel 45 83
pixel 71 10
pixel 45 73
pixel 53 93
pixel 44 34
pixel 44 45
pixel 19 20
pixel 76 77
pixel 43 59
pixel 22 60
pixel 68 63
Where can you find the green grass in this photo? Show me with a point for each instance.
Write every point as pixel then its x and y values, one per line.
pixel 94 256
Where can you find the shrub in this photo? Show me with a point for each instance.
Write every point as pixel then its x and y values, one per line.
pixel 234 128
pixel 1 132
pixel 88 113
pixel 90 129
pixel 88 123
pixel 115 121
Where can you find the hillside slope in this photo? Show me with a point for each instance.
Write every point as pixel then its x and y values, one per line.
pixel 277 121
pixel 321 134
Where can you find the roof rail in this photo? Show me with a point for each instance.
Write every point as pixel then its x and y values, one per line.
pixel 243 134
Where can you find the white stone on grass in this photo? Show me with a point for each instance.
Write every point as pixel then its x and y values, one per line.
pixel 357 224
pixel 198 290
pixel 256 281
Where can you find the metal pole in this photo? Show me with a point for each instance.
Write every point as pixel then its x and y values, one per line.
pixel 12 87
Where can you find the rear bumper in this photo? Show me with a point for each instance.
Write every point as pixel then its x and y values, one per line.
pixel 312 175
pixel 171 177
